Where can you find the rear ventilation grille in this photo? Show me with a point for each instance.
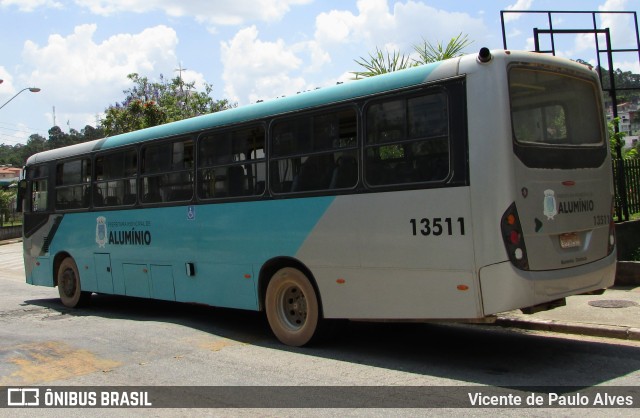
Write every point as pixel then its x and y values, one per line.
pixel 45 244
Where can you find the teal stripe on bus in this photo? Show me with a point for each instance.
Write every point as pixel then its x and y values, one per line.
pixel 251 231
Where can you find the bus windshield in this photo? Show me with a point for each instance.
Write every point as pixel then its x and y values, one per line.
pixel 549 108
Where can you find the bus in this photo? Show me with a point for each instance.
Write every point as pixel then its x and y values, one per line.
pixel 450 191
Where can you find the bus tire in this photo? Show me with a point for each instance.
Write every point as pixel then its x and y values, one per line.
pixel 292 307
pixel 69 286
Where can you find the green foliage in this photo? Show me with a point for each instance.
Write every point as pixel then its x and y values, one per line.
pixel 623 80
pixel 617 139
pixel 17 155
pixel 381 62
pixel 6 199
pixel 432 53
pixel 146 104
pixel 154 103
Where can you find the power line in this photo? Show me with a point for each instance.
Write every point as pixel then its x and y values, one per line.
pixel 21 128
pixel 18 131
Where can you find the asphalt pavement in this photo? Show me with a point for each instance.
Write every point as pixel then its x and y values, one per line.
pixel 614 314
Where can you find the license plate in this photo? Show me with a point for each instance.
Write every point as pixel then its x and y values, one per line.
pixel 569 241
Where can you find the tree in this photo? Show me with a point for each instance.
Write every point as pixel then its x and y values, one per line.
pixel 154 103
pixel 58 138
pixel 616 139
pixel 380 63
pixel 430 53
pixel 7 197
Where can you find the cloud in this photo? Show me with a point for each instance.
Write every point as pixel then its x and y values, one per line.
pixel 85 75
pixel 518 5
pixel 258 70
pixel 233 12
pixel 31 5
pixel 622 30
pixel 622 26
pixel 376 25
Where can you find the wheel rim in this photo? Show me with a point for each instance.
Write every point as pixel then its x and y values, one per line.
pixel 292 307
pixel 68 284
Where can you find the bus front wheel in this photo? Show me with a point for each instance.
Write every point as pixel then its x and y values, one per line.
pixel 292 307
pixel 69 287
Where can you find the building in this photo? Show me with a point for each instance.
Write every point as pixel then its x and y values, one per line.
pixel 8 175
pixel 629 121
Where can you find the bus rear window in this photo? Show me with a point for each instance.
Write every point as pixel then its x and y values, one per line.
pixel 555 111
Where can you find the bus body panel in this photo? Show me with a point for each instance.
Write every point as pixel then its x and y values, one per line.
pixel 376 293
pixel 492 183
pixel 506 288
pixel 130 260
pixel 565 216
pixel 396 256
pixel 412 229
pixel 226 243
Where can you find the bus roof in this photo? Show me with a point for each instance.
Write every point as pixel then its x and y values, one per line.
pixel 305 100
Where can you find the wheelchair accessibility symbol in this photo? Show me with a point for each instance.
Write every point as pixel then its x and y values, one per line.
pixel 191 213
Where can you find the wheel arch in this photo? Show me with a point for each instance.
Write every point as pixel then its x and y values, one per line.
pixel 272 266
pixel 57 260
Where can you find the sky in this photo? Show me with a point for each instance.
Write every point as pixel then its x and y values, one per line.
pixel 80 52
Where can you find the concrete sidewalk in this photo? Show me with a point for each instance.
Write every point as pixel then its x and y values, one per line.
pixel 614 314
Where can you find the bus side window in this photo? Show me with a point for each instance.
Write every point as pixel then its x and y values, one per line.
pixel 166 172
pixel 232 163
pixel 115 179
pixel 38 188
pixel 73 187
pixel 315 152
pixel 407 140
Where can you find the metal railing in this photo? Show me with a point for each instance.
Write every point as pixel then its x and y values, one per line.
pixel 627 201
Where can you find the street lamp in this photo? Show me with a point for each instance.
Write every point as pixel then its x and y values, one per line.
pixel 31 89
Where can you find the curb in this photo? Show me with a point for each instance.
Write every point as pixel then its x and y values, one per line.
pixel 593 330
pixel 10 241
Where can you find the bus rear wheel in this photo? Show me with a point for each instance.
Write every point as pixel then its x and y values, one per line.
pixel 292 307
pixel 69 287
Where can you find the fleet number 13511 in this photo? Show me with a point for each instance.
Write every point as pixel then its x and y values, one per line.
pixel 437 226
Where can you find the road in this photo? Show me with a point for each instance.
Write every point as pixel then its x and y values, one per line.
pixel 134 342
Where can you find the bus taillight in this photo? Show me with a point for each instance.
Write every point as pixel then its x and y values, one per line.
pixel 513 238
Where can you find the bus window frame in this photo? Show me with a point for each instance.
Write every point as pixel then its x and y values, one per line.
pixel 29 190
pixel 557 156
pixel 136 176
pixel 142 175
pixel 311 114
pixel 456 135
pixel 86 202
pixel 200 166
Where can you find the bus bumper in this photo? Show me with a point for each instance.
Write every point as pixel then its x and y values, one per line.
pixel 505 288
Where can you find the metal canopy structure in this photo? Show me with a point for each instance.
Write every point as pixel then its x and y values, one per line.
pixel 597 31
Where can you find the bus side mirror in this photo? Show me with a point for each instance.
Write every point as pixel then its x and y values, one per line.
pixel 22 190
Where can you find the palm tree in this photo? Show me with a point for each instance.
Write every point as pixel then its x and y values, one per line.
pixel 430 53
pixel 380 63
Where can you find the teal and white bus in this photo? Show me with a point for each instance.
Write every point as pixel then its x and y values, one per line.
pixel 451 191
